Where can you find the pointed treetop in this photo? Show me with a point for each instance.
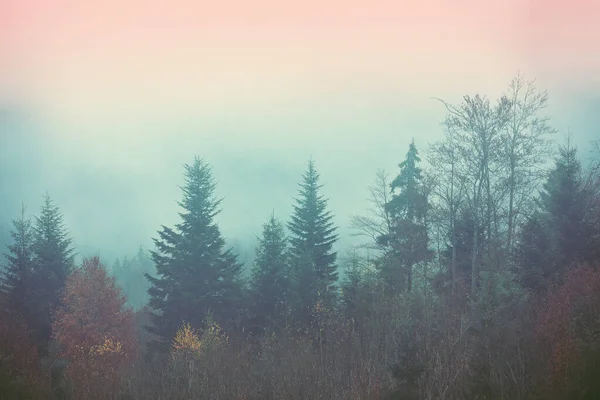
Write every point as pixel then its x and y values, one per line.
pixel 199 189
pixel 51 234
pixel 410 173
pixel 312 229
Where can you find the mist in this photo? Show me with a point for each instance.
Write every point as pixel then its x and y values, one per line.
pixel 104 114
pixel 116 184
pixel 469 268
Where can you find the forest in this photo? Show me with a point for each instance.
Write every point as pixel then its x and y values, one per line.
pixel 478 277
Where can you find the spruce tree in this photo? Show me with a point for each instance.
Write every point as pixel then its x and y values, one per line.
pixel 130 276
pixel 52 263
pixel 408 210
pixel 115 270
pixel 558 234
pixel 563 199
pixel 312 238
pixel 15 278
pixel 196 277
pixel 352 286
pixel 305 292
pixel 269 282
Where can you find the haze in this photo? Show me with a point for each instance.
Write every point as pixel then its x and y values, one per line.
pixel 106 101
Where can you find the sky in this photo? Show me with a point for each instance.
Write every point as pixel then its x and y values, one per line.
pixel 113 97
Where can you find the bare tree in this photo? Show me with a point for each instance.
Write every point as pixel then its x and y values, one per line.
pixel 526 147
pixel 477 126
pixel 377 222
pixel 447 192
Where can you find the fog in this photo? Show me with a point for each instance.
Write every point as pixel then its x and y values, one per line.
pixel 102 115
pixel 116 183
pixel 478 275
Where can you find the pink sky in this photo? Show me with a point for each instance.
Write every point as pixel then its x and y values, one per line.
pixel 249 84
pixel 123 55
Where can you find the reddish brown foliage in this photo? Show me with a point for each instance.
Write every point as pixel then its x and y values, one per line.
pixel 93 330
pixel 19 354
pixel 560 322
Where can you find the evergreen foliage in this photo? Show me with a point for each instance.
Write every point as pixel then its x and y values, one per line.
pixel 130 276
pixel 53 261
pixel 269 282
pixel 408 211
pixel 16 276
pixel 311 240
pixel 195 275
pixel 559 233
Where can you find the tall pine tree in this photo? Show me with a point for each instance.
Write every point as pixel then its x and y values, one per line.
pixel 559 232
pixel 14 279
pixel 196 278
pixel 269 283
pixel 53 261
pixel 408 210
pixel 312 238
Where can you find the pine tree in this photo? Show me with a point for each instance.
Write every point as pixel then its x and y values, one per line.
pixel 269 283
pixel 195 276
pixel 143 266
pixel 563 199
pixel 53 262
pixel 557 234
pixel 305 291
pixel 130 276
pixel 15 279
pixel 408 210
pixel 353 285
pixel 312 238
pixel 116 267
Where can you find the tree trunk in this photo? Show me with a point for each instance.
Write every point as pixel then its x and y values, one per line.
pixel 474 260
pixel 511 200
pixel 453 268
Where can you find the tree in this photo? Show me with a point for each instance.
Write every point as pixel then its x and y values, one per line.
pixel 52 264
pixel 269 283
pixel 457 254
pixel 567 329
pixel 21 375
pixel 526 148
pixel 491 160
pixel 15 278
pixel 476 127
pixel 563 198
pixel 591 188
pixel 408 210
pixel 561 232
pixel 357 287
pixel 94 330
pixel 377 223
pixel 194 275
pixel 312 238
pixel 448 197
pixel 130 276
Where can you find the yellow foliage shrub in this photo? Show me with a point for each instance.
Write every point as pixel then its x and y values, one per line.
pixel 108 347
pixel 188 341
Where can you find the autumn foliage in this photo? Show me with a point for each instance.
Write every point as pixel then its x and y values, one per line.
pixel 186 341
pixel 569 328
pixel 20 372
pixel 189 342
pixel 94 331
